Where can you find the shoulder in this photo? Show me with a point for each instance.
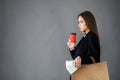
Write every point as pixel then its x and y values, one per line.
pixel 91 36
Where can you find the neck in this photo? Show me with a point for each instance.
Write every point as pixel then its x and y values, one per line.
pixel 86 31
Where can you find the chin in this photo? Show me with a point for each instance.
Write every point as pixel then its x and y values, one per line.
pixel 81 30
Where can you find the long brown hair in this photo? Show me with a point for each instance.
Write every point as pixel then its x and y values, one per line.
pixel 90 21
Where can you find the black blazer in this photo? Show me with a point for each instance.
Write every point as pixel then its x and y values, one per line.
pixel 88 46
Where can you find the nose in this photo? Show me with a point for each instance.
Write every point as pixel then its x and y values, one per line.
pixel 79 24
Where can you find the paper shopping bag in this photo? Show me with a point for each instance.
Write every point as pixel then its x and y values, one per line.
pixel 95 71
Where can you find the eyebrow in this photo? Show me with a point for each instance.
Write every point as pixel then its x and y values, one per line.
pixel 81 20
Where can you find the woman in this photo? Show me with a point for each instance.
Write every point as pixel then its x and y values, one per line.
pixel 88 49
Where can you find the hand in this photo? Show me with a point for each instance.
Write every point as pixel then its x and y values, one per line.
pixel 77 62
pixel 71 45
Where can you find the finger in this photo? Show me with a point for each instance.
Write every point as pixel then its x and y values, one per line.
pixel 78 59
pixel 72 43
pixel 68 43
pixel 69 40
pixel 76 63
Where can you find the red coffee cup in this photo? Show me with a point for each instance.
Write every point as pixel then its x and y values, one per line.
pixel 72 37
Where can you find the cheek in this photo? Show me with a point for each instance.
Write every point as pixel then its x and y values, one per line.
pixel 82 27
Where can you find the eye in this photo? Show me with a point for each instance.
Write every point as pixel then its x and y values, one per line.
pixel 81 21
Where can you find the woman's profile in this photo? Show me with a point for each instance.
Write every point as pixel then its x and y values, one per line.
pixel 87 50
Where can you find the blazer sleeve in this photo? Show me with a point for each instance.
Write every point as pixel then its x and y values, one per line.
pixel 94 48
pixel 76 52
pixel 73 55
pixel 86 59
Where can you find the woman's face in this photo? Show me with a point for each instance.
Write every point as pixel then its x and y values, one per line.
pixel 82 25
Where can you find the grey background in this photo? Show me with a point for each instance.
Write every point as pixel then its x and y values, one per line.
pixel 33 36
